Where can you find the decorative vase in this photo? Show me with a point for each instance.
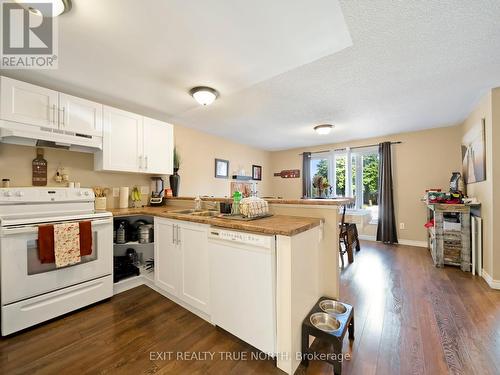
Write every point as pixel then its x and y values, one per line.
pixel 175 181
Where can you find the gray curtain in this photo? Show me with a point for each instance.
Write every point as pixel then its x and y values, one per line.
pixel 386 230
pixel 306 175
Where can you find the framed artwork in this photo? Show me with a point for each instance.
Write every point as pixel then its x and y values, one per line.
pixel 221 168
pixel 256 172
pixel 474 154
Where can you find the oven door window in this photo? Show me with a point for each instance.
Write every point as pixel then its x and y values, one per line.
pixel 34 265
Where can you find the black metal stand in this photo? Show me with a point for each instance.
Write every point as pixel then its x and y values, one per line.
pixel 334 338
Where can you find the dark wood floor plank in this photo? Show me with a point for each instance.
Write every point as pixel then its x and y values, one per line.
pixel 411 318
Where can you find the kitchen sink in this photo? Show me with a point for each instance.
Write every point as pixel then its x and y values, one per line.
pixel 183 212
pixel 205 213
pixel 195 212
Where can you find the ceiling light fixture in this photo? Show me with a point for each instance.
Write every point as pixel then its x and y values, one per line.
pixel 58 7
pixel 204 95
pixel 323 129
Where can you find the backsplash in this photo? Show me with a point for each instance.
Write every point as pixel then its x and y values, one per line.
pixel 15 164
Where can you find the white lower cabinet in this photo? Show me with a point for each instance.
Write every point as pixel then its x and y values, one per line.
pixel 181 261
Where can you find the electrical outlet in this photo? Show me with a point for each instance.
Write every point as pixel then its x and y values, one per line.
pixel 145 190
pixel 401 225
pixel 116 192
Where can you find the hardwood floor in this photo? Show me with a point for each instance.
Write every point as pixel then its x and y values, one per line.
pixel 411 318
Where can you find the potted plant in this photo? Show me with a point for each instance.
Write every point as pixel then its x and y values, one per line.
pixel 175 179
pixel 321 184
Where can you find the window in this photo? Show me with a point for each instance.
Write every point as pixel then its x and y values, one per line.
pixel 320 172
pixel 352 173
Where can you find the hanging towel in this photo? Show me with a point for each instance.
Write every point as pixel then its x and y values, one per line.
pixel 46 244
pixel 67 244
pixel 85 238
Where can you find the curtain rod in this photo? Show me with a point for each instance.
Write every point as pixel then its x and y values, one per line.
pixel 352 148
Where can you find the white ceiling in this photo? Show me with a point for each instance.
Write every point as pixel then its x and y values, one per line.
pixel 282 66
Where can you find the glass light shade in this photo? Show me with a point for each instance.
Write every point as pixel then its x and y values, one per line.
pixel 323 129
pixel 58 7
pixel 204 95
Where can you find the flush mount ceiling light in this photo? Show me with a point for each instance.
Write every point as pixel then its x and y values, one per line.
pixel 204 95
pixel 323 129
pixel 57 8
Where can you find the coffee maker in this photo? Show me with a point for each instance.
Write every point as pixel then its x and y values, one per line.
pixel 157 191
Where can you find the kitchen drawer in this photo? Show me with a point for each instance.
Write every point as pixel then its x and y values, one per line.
pixel 24 314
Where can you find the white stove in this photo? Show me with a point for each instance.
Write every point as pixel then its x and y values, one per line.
pixel 32 292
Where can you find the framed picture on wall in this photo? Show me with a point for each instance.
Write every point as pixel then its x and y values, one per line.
pixel 221 168
pixel 474 154
pixel 256 172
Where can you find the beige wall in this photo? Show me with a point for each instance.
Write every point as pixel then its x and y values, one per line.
pixel 483 190
pixel 198 152
pixel 15 163
pixel 489 109
pixel 424 160
pixel 495 146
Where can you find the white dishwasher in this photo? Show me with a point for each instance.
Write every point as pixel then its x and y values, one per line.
pixel 243 286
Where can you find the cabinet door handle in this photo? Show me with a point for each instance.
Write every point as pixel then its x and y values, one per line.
pixel 140 162
pixel 173 234
pixel 178 235
pixel 146 160
pixel 63 115
pixel 53 113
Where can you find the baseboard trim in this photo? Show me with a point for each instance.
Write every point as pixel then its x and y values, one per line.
pixel 401 241
pixel 492 283
pixel 367 238
pixel 413 243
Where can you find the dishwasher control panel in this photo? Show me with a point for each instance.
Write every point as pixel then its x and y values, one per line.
pixel 244 238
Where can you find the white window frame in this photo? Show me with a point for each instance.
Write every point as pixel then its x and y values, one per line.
pixel 320 156
pixel 348 154
pixel 359 171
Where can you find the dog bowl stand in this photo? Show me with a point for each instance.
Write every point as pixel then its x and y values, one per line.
pixel 334 338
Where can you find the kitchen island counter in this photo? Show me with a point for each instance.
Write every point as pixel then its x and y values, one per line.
pixel 284 225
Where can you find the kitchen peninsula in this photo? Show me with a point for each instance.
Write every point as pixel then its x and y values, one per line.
pixel 306 257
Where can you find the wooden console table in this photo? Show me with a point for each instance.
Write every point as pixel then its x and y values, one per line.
pixel 450 243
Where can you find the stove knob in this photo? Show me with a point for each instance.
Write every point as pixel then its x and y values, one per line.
pixel 86 193
pixel 8 193
pixel 79 193
pixel 19 193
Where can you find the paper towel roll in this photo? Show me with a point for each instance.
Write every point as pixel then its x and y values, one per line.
pixel 123 197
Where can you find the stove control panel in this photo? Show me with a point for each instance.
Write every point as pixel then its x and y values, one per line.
pixel 45 194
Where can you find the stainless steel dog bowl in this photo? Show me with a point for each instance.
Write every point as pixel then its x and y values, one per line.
pixel 332 307
pixel 325 322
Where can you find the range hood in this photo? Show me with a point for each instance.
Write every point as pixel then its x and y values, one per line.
pixel 28 135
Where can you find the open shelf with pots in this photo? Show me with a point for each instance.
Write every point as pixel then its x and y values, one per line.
pixel 136 247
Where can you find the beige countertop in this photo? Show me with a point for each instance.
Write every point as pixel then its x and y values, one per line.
pixel 314 202
pixel 276 225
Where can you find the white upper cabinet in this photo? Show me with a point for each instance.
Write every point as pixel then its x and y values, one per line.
pixel 130 142
pixel 80 115
pixel 34 105
pixel 133 143
pixel 158 146
pixel 28 104
pixel 122 148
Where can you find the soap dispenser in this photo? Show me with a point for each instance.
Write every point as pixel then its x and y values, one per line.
pixel 197 203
